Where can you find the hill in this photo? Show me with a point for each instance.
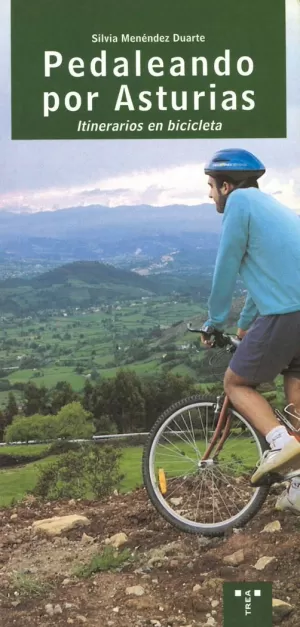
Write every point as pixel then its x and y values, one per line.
pixel 85 284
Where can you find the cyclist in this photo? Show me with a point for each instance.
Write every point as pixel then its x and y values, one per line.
pixel 260 240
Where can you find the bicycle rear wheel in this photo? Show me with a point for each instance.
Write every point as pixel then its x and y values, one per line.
pixel 208 497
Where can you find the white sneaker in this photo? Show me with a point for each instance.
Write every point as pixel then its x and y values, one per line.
pixel 286 503
pixel 287 458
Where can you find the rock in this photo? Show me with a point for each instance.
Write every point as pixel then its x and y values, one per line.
pixel 68 606
pixel 117 540
pixel 272 527
pixel 196 588
pixel 263 562
pixel 57 524
pixel 281 609
pixel 65 582
pixel 139 603
pixel 173 564
pixel 138 591
pixel 210 621
pixel 57 609
pixel 70 621
pixel 116 609
pixel 49 609
pixel 14 517
pixel 176 501
pixel 72 502
pixel 215 603
pixel 200 604
pixel 203 541
pixel 215 582
pixel 81 619
pixel 86 539
pixel 155 623
pixel 235 559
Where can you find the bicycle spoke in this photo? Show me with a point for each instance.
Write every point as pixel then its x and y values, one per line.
pixel 205 493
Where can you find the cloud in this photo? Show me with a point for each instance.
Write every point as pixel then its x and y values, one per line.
pixel 185 184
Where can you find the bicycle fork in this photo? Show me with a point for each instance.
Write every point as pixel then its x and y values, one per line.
pixel 224 422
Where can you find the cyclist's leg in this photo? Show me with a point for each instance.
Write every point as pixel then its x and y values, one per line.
pixel 249 402
pixel 292 392
pixel 264 352
pixel 290 498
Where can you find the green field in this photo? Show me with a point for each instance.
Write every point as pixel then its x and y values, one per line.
pixel 15 483
pixel 47 348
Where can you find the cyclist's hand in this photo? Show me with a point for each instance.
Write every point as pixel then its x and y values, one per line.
pixel 241 333
pixel 206 341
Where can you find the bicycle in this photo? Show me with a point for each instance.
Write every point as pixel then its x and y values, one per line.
pixel 199 457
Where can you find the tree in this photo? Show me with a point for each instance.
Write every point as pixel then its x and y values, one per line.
pixel 75 422
pixel 34 427
pixel 161 391
pixel 87 400
pixel 72 421
pixel 11 408
pixel 2 424
pixel 36 400
pixel 127 406
pixel 62 394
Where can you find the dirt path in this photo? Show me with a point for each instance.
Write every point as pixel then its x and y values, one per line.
pixel 38 586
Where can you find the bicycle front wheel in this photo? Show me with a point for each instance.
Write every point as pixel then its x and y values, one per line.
pixel 203 497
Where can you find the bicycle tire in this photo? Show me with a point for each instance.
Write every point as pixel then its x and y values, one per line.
pixel 249 512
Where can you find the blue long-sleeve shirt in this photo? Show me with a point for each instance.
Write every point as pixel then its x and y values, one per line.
pixel 260 241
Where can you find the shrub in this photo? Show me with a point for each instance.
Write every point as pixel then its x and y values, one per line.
pixel 72 421
pixel 35 427
pixel 92 472
pixel 63 446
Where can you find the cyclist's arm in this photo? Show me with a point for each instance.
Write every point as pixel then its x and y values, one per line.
pixel 232 248
pixel 248 314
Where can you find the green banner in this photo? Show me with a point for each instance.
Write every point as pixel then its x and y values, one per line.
pixel 108 69
pixel 247 604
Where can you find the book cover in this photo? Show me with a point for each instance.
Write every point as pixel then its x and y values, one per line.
pixel 110 112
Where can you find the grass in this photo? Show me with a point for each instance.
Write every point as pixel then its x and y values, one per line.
pixel 15 483
pixel 24 450
pixel 108 559
pixel 50 377
pixel 29 586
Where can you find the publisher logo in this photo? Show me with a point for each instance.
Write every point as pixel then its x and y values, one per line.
pixel 247 604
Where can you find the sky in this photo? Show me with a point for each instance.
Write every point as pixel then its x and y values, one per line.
pixel 51 175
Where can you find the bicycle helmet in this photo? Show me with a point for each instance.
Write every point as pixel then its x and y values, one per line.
pixel 237 163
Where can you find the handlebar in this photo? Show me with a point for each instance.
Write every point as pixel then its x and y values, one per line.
pixel 220 339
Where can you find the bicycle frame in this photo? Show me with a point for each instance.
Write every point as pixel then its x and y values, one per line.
pixel 224 422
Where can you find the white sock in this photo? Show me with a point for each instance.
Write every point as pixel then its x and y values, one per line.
pixel 278 438
pixel 294 488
